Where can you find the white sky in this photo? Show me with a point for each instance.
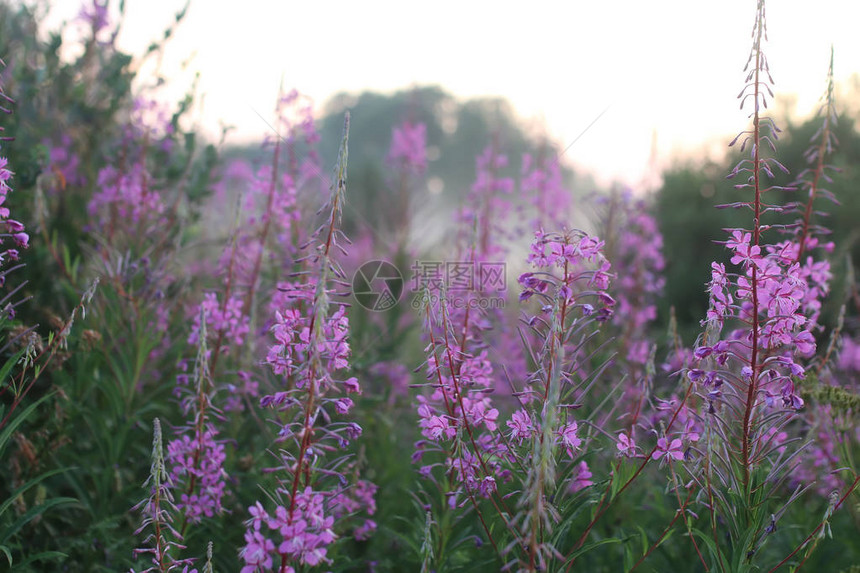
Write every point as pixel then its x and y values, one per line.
pixel 674 66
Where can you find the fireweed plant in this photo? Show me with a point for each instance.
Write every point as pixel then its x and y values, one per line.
pixel 516 476
pixel 635 247
pixel 837 404
pixel 541 181
pixel 158 511
pixel 457 417
pixel 758 338
pixel 570 281
pixel 487 206
pixel 316 496
pixel 14 236
pixel 486 237
pixel 407 163
pixel 384 337
pixel 224 317
pixel 730 428
pixel 830 458
pixel 223 381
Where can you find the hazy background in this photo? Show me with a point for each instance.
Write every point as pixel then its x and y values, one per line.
pixel 666 73
pixel 647 90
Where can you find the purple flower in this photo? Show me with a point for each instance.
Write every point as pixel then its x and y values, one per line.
pixel 353 431
pixel 343 405
pixel 521 426
pixel 351 385
pixel 581 478
pixel 258 515
pixel 365 531
pixel 670 450
pixel 257 552
pixel 199 457
pixel 744 252
pixel 569 439
pixel 805 342
pixel 541 180
pixel 436 427
pixel 702 352
pixel 13 227
pixel 590 247
pixel 626 445
pixel 225 321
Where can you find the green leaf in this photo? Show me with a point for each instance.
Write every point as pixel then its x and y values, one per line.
pixel 43 556
pixel 6 434
pixel 5 505
pixel 67 259
pixel 33 512
pixel 716 555
pixel 644 537
pixel 7 367
pixel 586 548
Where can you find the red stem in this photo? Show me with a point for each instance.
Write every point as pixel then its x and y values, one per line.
pixel 307 429
pixel 813 189
pixel 751 390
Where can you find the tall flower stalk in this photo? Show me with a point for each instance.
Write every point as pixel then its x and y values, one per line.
pixel 570 280
pixel 634 244
pixel 541 181
pixel 195 457
pixel 745 378
pixel 310 349
pixel 407 160
pixel 158 513
pixel 224 319
pixel 829 460
pixel 538 451
pixel 457 417
pixel 488 205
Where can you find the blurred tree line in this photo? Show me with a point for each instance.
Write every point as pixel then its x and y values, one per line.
pixel 457 132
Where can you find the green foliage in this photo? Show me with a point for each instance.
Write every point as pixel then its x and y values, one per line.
pixel 73 470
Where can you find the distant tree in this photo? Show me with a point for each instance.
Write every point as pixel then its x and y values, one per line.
pixel 456 133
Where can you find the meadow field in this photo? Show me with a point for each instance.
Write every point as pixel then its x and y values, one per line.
pixel 327 352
